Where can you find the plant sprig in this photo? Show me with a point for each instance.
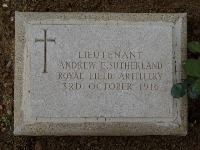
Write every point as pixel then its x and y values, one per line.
pixel 191 85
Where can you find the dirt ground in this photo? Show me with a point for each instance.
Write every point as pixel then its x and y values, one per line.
pixel 8 141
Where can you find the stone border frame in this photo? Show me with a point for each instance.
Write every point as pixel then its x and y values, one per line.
pixel 104 127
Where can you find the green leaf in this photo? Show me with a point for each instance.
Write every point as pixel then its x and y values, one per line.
pixel 194 47
pixel 196 85
pixel 192 67
pixel 178 90
pixel 192 93
pixel 6 120
pixel 190 80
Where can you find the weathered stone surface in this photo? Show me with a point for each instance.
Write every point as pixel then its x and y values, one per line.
pixel 99 74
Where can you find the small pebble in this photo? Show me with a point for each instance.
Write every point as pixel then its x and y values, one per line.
pixel 89 144
pixel 81 141
pixel 11 19
pixel 3 129
pixel 5 5
pixel 95 142
pixel 38 145
pixel 7 12
pixel 5 75
pixel 173 145
pixel 9 64
pixel 9 112
pixel 6 85
pixel 191 125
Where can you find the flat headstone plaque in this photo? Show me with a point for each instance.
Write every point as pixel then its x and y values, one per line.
pixel 99 74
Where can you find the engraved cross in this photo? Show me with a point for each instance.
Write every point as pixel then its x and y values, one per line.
pixel 45 40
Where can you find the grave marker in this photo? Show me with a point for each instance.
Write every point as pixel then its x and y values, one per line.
pixel 99 74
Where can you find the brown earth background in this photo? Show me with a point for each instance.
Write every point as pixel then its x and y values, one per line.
pixel 8 141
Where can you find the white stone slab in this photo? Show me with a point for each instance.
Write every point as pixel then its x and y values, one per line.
pixel 99 74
